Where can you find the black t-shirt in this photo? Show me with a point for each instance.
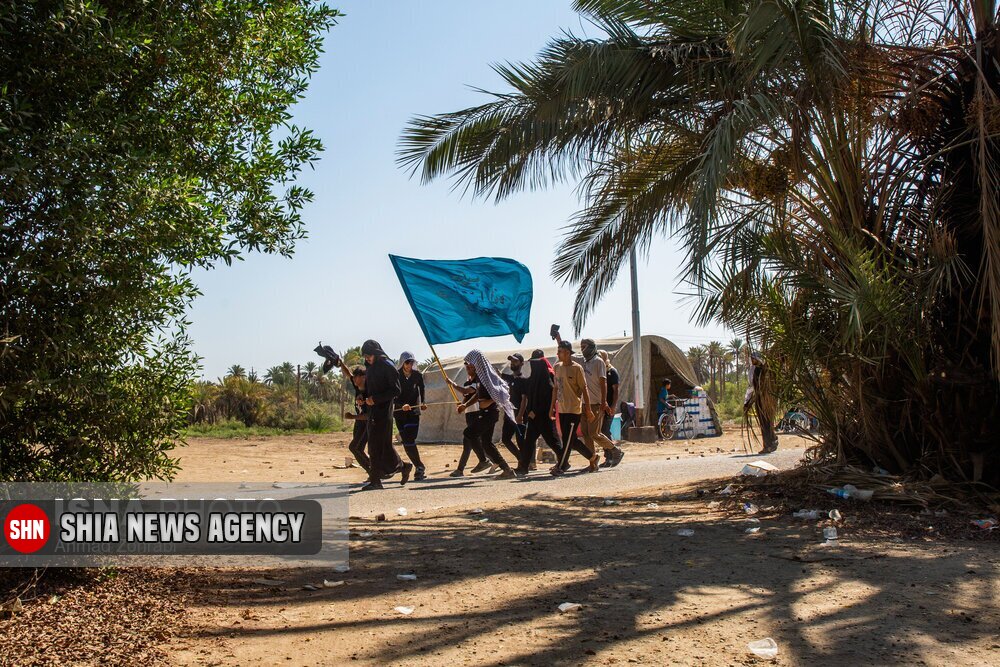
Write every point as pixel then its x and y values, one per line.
pixel 482 394
pixel 518 385
pixel 411 389
pixel 613 379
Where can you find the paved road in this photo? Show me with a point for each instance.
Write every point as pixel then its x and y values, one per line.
pixel 474 490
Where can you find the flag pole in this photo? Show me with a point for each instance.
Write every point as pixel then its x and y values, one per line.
pixel 447 382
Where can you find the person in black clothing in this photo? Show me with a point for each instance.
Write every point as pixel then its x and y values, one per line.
pixel 382 385
pixel 409 404
pixel 614 380
pixel 517 381
pixel 537 421
pixel 491 395
pixel 360 436
pixel 469 445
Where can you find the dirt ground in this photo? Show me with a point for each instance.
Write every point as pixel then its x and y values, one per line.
pixel 286 458
pixel 488 593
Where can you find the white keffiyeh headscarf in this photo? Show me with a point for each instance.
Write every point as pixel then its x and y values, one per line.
pixel 488 378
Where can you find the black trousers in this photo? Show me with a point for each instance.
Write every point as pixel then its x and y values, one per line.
pixel 358 443
pixel 384 459
pixel 568 424
pixel 480 428
pixel 470 445
pixel 539 425
pixel 511 436
pixel 408 425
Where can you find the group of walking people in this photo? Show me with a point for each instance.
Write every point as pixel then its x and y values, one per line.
pixel 530 397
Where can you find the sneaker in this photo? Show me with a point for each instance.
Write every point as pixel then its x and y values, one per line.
pixel 520 472
pixel 493 469
pixel 555 471
pixel 618 454
pixel 457 473
pixel 407 469
pixel 507 474
pixel 607 461
pixel 421 475
pixel 372 486
pixel 481 466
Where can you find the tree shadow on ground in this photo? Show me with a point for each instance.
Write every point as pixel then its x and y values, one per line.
pixel 642 586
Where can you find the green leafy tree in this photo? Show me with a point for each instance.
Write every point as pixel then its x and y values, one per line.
pixel 138 142
pixel 831 168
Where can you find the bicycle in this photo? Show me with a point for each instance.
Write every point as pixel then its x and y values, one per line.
pixel 796 421
pixel 674 420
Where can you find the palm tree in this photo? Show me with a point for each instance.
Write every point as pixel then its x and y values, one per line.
pixel 352 357
pixel 831 169
pixel 280 376
pixel 698 357
pixel 252 376
pixel 736 348
pixel 236 371
pixel 714 350
pixel 725 362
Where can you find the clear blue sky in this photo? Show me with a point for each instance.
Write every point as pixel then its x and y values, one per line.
pixel 385 62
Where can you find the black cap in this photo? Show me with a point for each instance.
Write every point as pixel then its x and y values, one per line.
pixel 538 354
pixel 516 355
pixel 566 345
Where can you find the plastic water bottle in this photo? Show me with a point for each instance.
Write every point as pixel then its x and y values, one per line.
pixel 840 493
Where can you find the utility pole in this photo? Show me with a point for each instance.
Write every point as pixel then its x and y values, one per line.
pixel 298 384
pixel 640 386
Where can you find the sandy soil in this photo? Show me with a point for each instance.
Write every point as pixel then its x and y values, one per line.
pixel 287 458
pixel 488 593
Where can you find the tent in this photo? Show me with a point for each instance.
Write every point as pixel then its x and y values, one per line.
pixel 441 423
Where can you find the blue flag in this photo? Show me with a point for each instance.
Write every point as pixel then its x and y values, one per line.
pixel 466 298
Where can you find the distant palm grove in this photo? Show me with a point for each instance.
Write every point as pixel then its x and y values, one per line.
pixel 285 397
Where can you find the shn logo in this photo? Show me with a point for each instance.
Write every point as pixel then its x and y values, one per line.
pixel 26 528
